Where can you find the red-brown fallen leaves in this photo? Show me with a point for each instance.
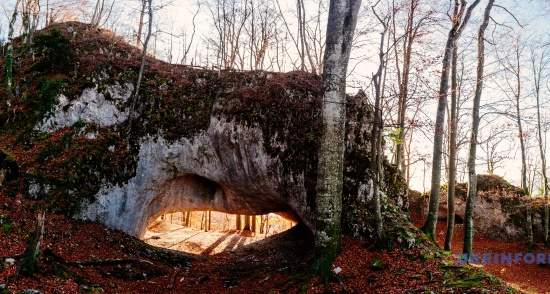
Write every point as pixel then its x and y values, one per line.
pixel 526 277
pixel 114 262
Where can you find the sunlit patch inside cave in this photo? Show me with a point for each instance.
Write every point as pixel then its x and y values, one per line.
pixel 212 232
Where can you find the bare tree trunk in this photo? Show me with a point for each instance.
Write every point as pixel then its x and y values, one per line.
pixel 404 87
pixel 537 75
pixel 328 210
pixel 226 222
pixel 454 34
pixel 524 181
pixel 377 128
pixel 135 96
pixel 9 55
pixel 253 223
pixel 301 36
pixel 47 21
pixel 238 222
pixel 140 24
pixel 98 13
pixel 28 264
pixel 188 219
pixel 262 223
pixel 452 154
pixel 246 223
pixel 472 176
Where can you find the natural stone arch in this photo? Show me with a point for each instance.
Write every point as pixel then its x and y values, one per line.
pixel 195 193
pixel 224 168
pixel 254 133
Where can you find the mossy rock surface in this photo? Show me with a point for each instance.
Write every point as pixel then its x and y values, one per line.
pixel 270 120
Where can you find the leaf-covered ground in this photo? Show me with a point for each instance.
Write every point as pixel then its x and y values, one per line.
pixel 87 257
pixel 529 278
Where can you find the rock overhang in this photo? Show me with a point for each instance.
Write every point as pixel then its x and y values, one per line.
pixel 254 134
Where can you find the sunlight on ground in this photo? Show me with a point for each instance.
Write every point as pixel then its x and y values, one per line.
pixel 194 233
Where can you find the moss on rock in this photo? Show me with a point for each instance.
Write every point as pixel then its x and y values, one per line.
pixel 69 166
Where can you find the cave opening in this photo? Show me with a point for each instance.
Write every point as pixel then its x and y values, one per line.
pixel 208 232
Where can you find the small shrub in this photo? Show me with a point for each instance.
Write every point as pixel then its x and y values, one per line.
pixel 47 96
pixel 5 222
pixel 377 264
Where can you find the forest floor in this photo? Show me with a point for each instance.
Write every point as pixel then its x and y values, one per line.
pixel 196 241
pixel 529 278
pixel 84 257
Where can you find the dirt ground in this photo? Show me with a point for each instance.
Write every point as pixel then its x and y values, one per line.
pixel 196 241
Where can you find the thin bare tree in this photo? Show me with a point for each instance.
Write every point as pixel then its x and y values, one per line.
pixel 460 18
pixel 472 156
pixel 135 95
pixel 539 65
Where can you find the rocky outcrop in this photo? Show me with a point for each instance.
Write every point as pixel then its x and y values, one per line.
pixel 91 108
pixel 500 211
pixel 238 142
pixel 224 168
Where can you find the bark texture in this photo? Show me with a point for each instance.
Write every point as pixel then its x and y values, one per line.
pixel 328 203
pixel 472 176
pixel 537 75
pixel 454 34
pixel 452 154
pixel 521 136
pixel 135 96
pixel 9 53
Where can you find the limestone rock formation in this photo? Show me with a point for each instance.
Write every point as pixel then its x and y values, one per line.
pixel 500 211
pixel 238 142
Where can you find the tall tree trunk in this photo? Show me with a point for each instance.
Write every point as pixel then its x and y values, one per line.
pixel 454 34
pixel 246 223
pixel 452 154
pixel 472 176
pixel 537 79
pixel 208 221
pixel 341 24
pixel 238 222
pixel 262 224
pixel 404 89
pixel 140 24
pixel 188 218
pixel 9 54
pixel 29 261
pixel 47 21
pixel 135 96
pixel 524 181
pixel 377 127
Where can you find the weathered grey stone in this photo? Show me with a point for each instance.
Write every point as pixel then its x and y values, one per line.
pixel 224 168
pixel 90 107
pixel 9 261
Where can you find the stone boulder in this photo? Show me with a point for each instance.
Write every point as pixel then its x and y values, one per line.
pixel 500 212
pixel 236 142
